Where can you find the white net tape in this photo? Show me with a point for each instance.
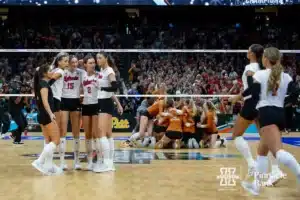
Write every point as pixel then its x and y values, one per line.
pixel 135 51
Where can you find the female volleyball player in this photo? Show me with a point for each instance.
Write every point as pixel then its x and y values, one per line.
pixel 248 112
pixel 71 107
pixel 46 119
pixel 174 130
pixel 107 86
pixel 270 87
pixel 189 129
pixel 210 128
pixel 147 118
pixel 56 76
pixel 90 107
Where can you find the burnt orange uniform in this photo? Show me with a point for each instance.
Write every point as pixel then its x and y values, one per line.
pixel 211 126
pixel 156 108
pixel 174 130
pixel 188 118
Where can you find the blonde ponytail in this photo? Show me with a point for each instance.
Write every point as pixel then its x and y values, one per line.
pixel 274 78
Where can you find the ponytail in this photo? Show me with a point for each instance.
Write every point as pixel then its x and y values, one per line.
pixel 38 76
pixel 274 78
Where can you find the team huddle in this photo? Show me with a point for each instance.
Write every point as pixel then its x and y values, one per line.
pixel 57 89
pixel 175 123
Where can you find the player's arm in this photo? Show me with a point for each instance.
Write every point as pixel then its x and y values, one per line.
pixel 53 77
pixel 113 82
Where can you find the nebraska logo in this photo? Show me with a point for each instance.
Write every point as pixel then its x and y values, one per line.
pixel 100 76
pixel 88 82
pixel 70 78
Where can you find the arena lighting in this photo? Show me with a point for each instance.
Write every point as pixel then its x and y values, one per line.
pixel 206 4
pixel 45 2
pixel 76 1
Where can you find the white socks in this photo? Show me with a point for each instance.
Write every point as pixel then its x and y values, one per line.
pixel 134 137
pixel 274 163
pixel 98 150
pixel 89 150
pixel 244 149
pixel 62 150
pixel 111 148
pixel 46 156
pixel 105 148
pixel 76 150
pixel 262 163
pixel 288 160
pixel 50 148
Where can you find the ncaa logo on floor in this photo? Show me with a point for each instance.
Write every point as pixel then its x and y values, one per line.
pixel 228 178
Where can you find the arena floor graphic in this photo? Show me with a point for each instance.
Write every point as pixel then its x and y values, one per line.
pixel 133 156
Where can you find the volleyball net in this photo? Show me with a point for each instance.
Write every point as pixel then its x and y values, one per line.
pixel 199 74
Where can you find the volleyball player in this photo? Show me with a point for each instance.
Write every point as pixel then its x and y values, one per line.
pixel 70 107
pixel 90 107
pixel 189 129
pixel 46 119
pixel 107 84
pixel 173 133
pixel 248 112
pixel 56 76
pixel 210 128
pixel 147 118
pixel 270 87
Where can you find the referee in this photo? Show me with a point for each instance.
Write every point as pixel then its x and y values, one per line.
pixel 16 105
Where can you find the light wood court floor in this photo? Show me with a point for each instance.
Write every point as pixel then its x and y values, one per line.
pixel 168 177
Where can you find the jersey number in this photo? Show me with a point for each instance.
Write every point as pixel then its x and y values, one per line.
pixel 89 89
pixel 70 86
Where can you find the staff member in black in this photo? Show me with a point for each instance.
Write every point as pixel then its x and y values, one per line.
pixel 4 117
pixel 16 104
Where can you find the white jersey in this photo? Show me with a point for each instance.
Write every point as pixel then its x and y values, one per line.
pixel 103 81
pixel 89 89
pixel 57 86
pixel 266 99
pixel 72 83
pixel 252 67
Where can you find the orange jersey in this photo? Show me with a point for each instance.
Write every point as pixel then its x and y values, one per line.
pixel 175 121
pixel 163 121
pixel 211 126
pixel 156 108
pixel 188 118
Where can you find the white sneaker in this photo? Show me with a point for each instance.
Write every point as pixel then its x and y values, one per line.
pixel 152 142
pixel 54 170
pixel 146 142
pixel 99 168
pixel 251 187
pixel 77 166
pixel 274 179
pixel 64 166
pixel 90 166
pixel 37 165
